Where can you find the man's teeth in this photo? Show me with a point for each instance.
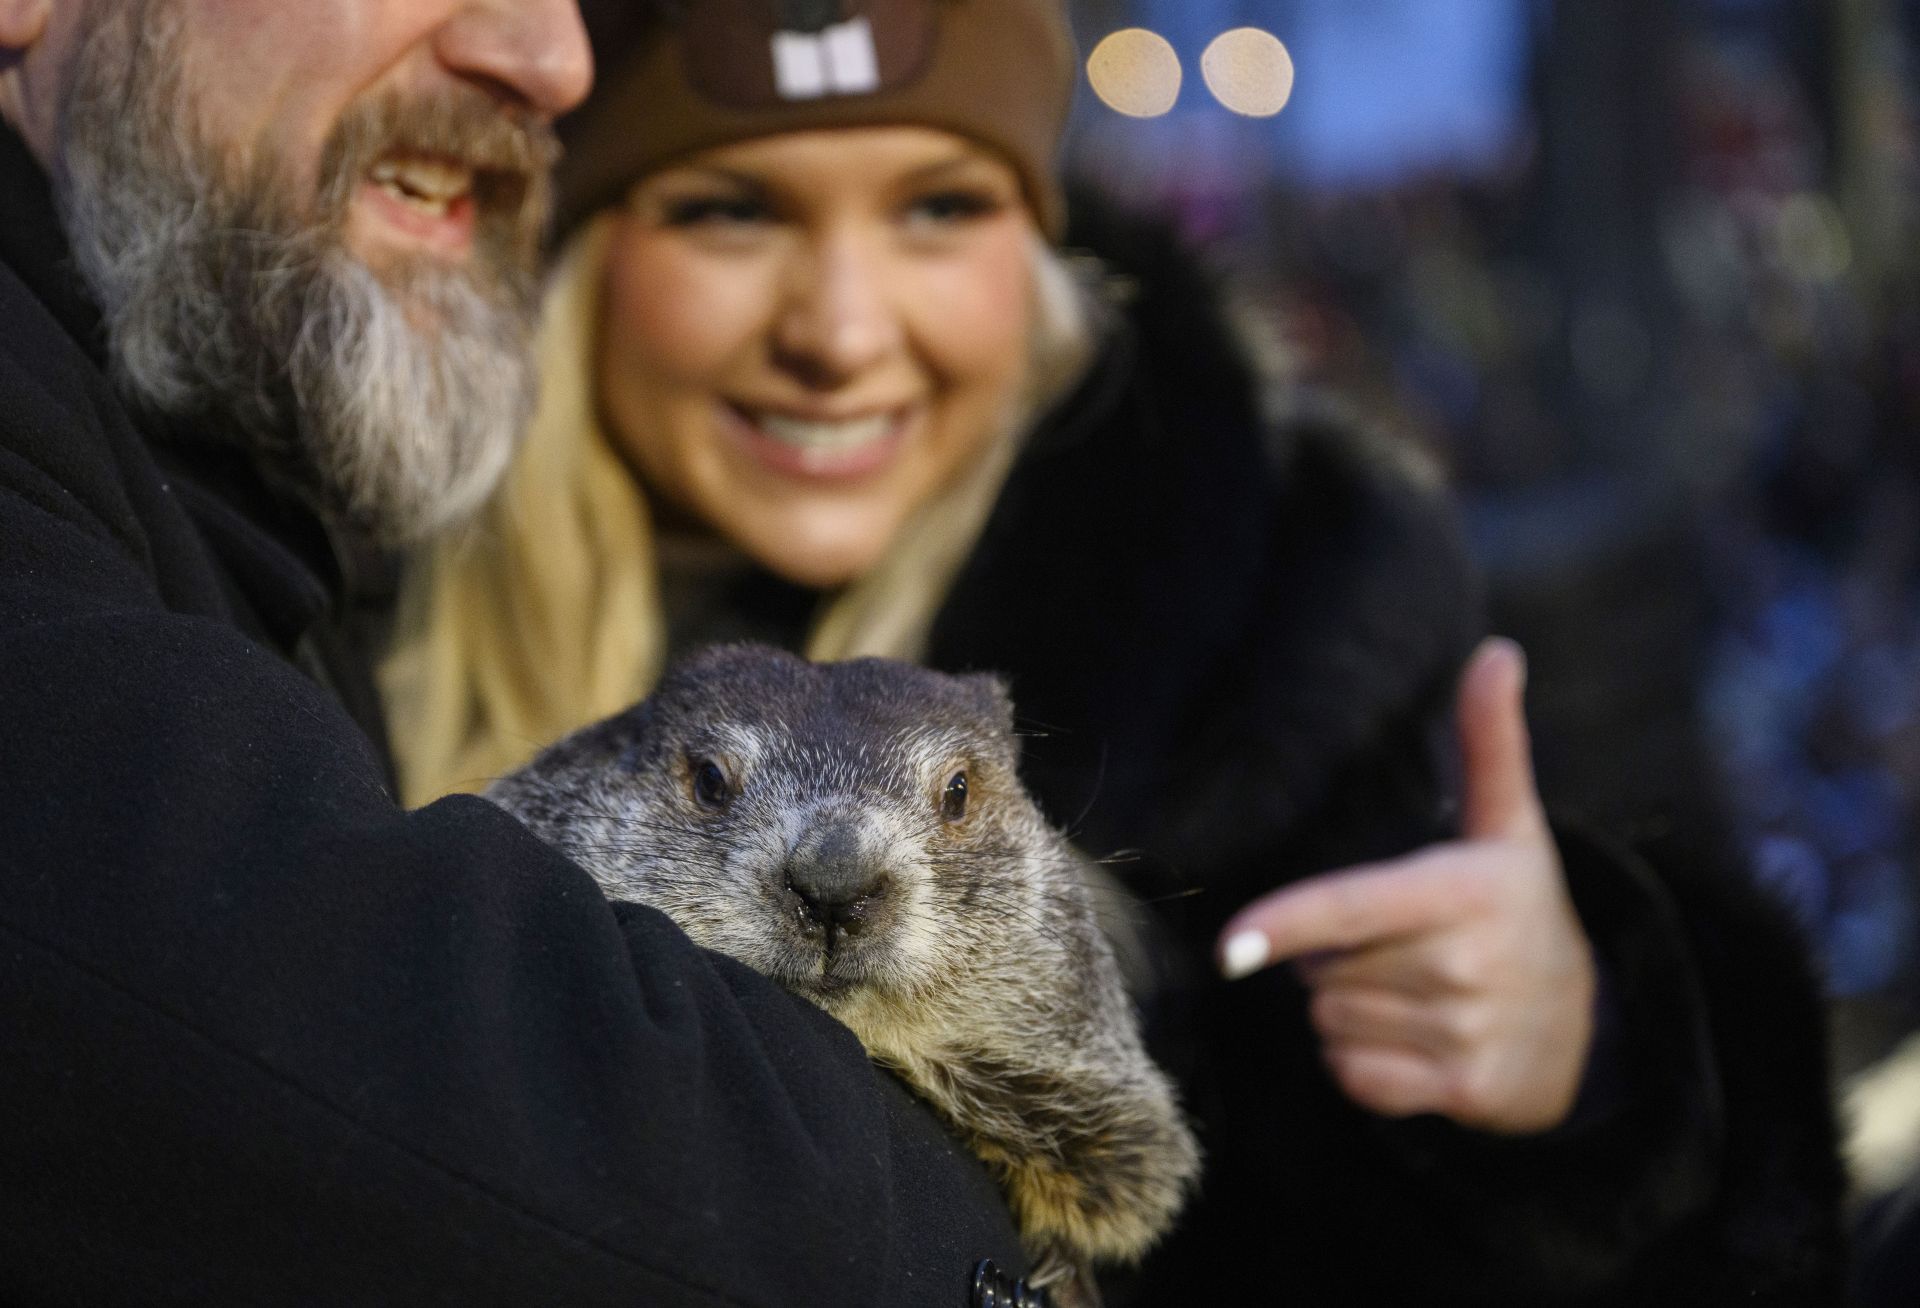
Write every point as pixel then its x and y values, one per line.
pixel 824 437
pixel 427 184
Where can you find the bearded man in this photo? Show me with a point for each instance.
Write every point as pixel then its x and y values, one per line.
pixel 266 274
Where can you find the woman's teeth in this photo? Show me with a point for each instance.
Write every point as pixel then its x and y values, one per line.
pixel 824 437
pixel 428 185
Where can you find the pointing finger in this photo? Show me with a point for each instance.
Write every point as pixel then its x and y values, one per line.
pixel 1429 966
pixel 1347 910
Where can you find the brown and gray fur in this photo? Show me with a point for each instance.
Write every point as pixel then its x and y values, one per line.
pixel 802 819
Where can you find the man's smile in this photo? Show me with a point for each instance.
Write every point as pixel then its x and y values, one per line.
pixel 422 201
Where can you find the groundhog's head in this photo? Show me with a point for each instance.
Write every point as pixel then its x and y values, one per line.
pixel 844 828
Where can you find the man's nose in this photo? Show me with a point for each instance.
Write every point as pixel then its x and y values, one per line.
pixel 533 52
pixel 838 315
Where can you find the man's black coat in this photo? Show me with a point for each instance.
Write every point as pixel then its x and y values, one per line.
pixel 264 1038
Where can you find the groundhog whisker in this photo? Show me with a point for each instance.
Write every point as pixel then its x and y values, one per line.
pixel 1025 912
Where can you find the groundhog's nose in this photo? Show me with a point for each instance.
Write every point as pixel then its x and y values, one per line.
pixel 837 882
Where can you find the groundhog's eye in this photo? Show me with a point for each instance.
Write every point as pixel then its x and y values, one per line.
pixel 953 801
pixel 710 786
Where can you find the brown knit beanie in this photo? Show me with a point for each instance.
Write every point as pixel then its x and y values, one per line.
pixel 678 76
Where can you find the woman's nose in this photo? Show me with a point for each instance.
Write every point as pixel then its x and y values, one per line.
pixel 839 316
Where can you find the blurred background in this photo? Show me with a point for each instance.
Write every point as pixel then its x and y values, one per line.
pixel 1642 275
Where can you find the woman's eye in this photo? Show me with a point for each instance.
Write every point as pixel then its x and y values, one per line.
pixel 953 207
pixel 715 211
pixel 710 788
pixel 953 801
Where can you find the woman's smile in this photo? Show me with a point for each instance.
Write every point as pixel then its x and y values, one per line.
pixel 808 447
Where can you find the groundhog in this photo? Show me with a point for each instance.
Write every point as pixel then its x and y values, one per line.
pixel 858 832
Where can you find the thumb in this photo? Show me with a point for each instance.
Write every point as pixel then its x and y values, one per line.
pixel 1498 794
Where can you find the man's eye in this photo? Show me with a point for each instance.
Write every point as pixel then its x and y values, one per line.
pixel 955 206
pixel 715 211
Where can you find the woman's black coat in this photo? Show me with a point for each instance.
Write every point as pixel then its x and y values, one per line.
pixel 1235 643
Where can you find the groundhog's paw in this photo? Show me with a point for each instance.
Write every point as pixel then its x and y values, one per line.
pixel 1106 1195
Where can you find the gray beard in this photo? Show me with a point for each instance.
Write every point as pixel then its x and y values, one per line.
pixel 391 401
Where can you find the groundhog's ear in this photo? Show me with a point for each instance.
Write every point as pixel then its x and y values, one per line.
pixel 990 699
pixel 627 737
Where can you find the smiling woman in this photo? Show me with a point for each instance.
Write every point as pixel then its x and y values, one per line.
pixel 801 364
pixel 817 333
pixel 789 352
pixel 816 372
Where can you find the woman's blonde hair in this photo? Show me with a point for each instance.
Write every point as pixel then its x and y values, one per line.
pixel 544 615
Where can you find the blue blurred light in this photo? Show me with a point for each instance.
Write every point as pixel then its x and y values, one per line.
pixel 1384 89
pixel 1392 87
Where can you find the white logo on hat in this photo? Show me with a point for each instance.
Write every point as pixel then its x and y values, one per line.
pixel 837 60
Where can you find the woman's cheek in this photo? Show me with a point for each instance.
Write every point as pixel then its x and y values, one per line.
pixel 976 311
pixel 681 312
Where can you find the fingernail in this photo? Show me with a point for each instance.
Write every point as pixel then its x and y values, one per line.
pixel 1246 952
pixel 1514 651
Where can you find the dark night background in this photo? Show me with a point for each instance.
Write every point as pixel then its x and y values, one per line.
pixel 1642 275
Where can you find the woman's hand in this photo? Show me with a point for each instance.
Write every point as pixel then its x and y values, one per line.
pixel 1456 980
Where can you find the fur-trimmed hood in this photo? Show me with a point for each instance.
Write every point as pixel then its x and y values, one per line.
pixel 1205 613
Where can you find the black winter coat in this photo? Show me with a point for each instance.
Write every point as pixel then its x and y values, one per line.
pixel 265 1038
pixel 1236 649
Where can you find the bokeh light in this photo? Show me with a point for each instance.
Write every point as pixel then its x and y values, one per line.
pixel 1811 235
pixel 1135 72
pixel 1249 71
